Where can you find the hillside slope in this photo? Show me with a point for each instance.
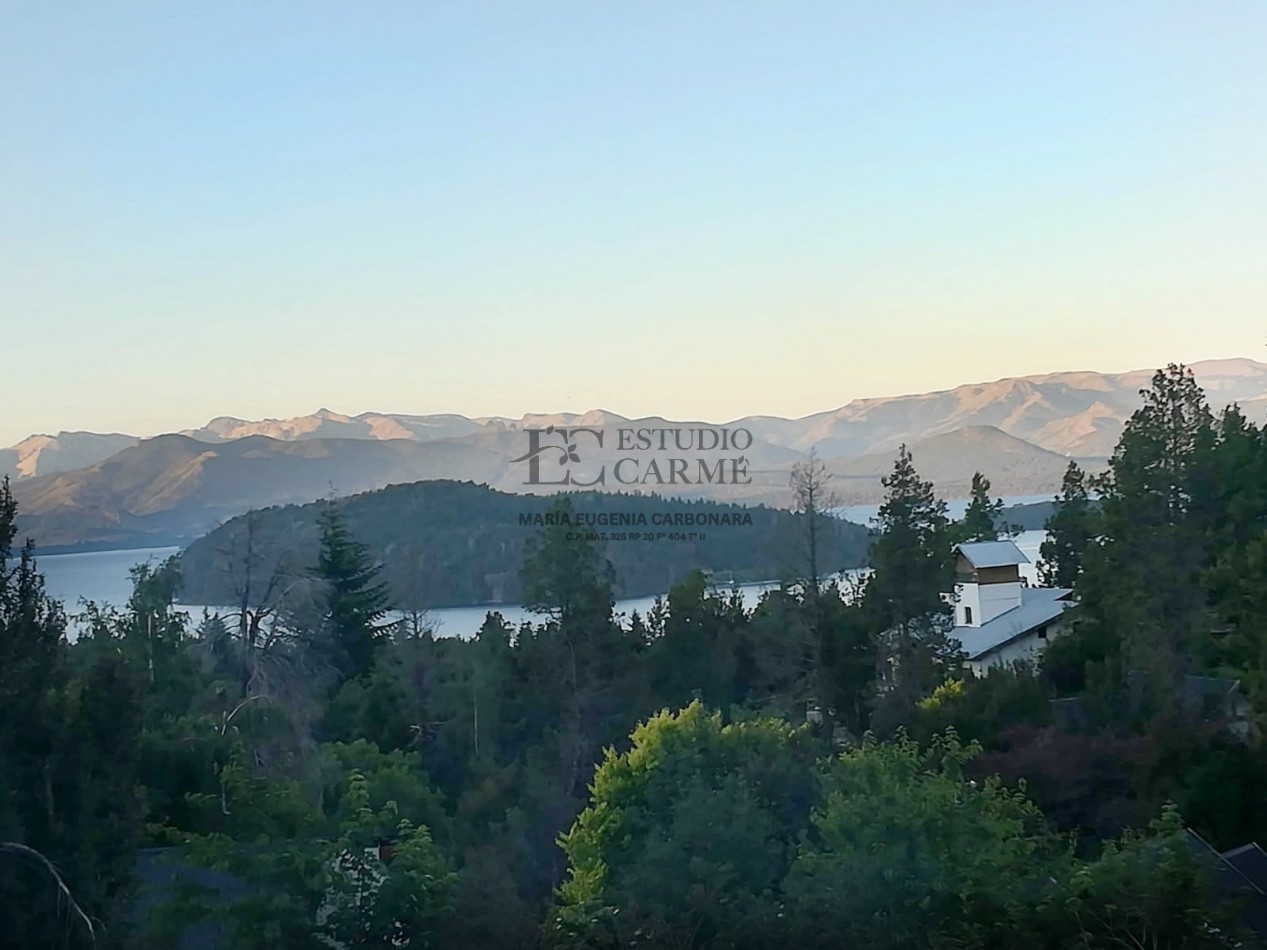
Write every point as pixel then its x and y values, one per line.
pixel 445 543
pixel 175 487
pixel 48 454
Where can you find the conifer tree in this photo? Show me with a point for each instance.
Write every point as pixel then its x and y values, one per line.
pixel 983 519
pixel 69 816
pixel 565 573
pixel 1070 529
pixel 356 600
pixel 910 559
pixel 1142 587
pixel 911 570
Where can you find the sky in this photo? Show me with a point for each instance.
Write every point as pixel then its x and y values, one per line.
pixel 690 209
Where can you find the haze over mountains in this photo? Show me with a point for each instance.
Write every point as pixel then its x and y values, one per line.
pixel 114 489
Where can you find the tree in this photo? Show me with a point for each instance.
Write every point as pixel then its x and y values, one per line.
pixel 713 835
pixel 1141 587
pixel 982 519
pixel 1071 527
pixel 911 570
pixel 847 657
pixel 297 890
pixel 984 707
pixel 687 836
pixel 693 652
pixel 69 734
pixel 908 852
pixel 910 559
pixel 566 574
pixel 356 601
pixel 812 501
pixel 911 852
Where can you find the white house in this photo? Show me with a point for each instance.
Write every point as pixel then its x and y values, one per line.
pixel 999 618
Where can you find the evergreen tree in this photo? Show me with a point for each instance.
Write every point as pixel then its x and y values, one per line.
pixel 1142 588
pixel 69 816
pixel 982 520
pixel 565 573
pixel 584 658
pixel 910 559
pixel 847 654
pixel 356 601
pixel 32 666
pixel 1070 529
pixel 911 570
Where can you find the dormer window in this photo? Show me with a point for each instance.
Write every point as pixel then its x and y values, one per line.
pixel 967 615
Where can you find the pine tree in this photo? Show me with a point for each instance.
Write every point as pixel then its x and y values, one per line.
pixel 69 815
pixel 1070 529
pixel 32 666
pixel 910 560
pixel 911 569
pixel 1142 587
pixel 982 520
pixel 566 574
pixel 592 670
pixel 356 600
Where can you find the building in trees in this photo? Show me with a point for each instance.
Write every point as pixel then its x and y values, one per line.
pixel 999 619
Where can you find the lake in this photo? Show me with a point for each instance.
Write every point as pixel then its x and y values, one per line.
pixel 102 577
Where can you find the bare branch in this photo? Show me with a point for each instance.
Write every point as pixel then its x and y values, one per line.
pixel 31 854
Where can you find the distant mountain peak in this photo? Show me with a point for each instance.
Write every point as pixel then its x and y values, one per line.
pixel 1019 431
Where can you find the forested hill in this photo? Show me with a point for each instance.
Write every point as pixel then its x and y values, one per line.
pixel 449 543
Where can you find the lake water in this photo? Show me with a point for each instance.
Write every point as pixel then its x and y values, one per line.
pixel 102 577
pixel 99 576
pixel 862 514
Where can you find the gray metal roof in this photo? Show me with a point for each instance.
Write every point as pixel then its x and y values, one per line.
pixel 981 554
pixel 1039 605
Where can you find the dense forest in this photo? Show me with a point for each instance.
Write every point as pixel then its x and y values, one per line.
pixel 447 543
pixel 818 770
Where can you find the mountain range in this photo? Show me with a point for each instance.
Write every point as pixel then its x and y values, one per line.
pixel 79 488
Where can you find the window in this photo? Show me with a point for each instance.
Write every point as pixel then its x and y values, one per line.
pixel 967 615
pixel 1042 633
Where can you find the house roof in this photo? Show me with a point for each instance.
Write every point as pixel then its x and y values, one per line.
pixel 982 554
pixel 1038 606
pixel 1251 861
pixel 1235 873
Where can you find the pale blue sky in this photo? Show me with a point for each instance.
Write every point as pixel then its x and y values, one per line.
pixel 696 209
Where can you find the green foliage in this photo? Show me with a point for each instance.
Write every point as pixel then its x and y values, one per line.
pixel 68 743
pixel 983 519
pixel 907 852
pixel 1141 586
pixel 687 835
pixel 696 646
pixel 1146 890
pixel 566 574
pixel 303 891
pixel 731 836
pixel 910 559
pixel 356 601
pixel 370 902
pixel 984 706
pixel 1070 529
pixel 444 543
pixel 724 825
pixel 911 569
